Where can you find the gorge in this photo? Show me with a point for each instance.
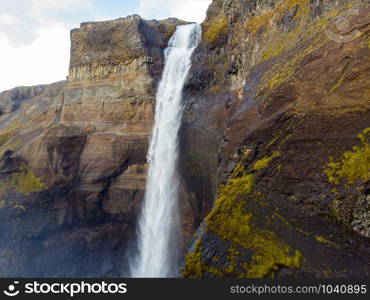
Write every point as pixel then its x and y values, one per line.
pixel 273 147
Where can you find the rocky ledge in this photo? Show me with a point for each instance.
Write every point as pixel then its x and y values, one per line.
pixel 73 154
pixel 274 158
pixel 277 131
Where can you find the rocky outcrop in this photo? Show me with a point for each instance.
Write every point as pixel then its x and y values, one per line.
pixel 274 146
pixel 276 130
pixel 74 154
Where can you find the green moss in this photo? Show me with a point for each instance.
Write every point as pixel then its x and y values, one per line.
pixel 324 241
pixel 238 171
pixel 228 216
pixel 352 165
pixel 26 182
pixel 212 31
pixel 264 162
pixel 337 84
pixel 230 221
pixel 4 138
pixel 193 267
pixel 282 41
pixel 285 43
pixel 281 72
pixel 2 203
pixel 256 23
pixel 271 258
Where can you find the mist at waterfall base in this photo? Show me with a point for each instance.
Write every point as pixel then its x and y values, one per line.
pixel 159 223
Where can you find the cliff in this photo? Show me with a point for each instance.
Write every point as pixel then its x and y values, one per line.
pixel 73 154
pixel 277 124
pixel 274 146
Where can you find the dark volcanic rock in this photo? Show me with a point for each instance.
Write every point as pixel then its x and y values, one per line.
pixel 279 109
pixel 74 154
pixel 274 146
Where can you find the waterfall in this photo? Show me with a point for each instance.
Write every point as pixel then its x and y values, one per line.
pixel 159 223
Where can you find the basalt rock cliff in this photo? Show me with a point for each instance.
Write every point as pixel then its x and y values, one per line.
pixel 277 131
pixel 274 145
pixel 73 154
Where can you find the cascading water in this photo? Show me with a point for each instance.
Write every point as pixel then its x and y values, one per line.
pixel 159 223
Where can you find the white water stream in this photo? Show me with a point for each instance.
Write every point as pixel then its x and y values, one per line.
pixel 159 222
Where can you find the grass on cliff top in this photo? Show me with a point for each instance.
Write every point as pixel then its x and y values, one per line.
pixel 353 165
pixel 230 221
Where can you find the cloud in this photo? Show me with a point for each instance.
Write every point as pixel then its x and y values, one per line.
pixel 20 21
pixel 44 60
pixel 188 10
pixel 34 39
pixel 34 34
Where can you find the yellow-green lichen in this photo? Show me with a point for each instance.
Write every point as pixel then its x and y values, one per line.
pixel 325 241
pixel 212 31
pixel 352 165
pixel 193 267
pixel 337 84
pixel 2 203
pixel 230 221
pixel 264 162
pixel 283 41
pixel 256 23
pixel 279 43
pixel 4 138
pixel 281 72
pixel 26 182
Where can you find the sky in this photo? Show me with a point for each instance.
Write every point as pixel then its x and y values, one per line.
pixel 34 34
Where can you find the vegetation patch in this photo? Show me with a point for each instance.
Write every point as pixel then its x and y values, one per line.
pixel 337 84
pixel 323 240
pixel 4 138
pixel 230 221
pixel 308 32
pixel 26 182
pixel 212 31
pixel 256 23
pixel 282 41
pixel 352 165
pixel 193 267
pixel 264 162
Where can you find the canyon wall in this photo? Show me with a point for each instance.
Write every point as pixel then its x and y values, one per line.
pixel 277 124
pixel 74 154
pixel 274 146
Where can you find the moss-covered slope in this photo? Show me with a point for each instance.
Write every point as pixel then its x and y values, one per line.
pixel 283 89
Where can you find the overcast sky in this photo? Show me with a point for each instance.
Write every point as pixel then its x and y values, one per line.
pixel 34 34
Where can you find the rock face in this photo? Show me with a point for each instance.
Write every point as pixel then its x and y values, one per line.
pixel 73 154
pixel 274 146
pixel 277 127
